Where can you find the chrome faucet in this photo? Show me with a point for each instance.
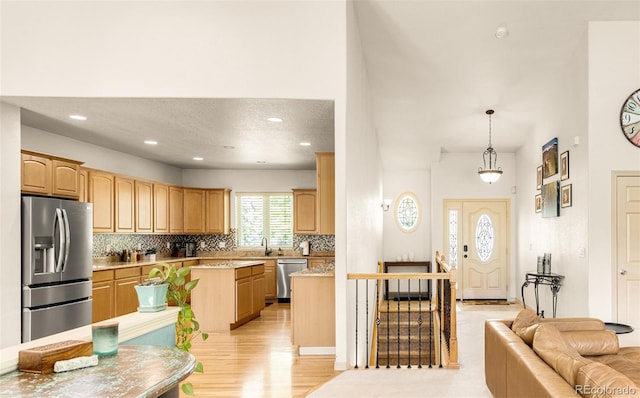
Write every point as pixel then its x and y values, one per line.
pixel 267 251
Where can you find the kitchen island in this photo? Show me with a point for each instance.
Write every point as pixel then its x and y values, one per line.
pixel 313 310
pixel 136 371
pixel 229 294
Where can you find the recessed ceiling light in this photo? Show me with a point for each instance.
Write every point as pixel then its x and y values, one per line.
pixel 305 143
pixel 229 147
pixel 198 158
pixel 77 117
pixel 275 119
pixel 261 161
pixel 502 32
pixel 151 142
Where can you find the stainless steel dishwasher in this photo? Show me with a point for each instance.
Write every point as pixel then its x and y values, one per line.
pixel 287 266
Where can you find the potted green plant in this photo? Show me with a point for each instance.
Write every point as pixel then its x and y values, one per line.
pixel 152 295
pixel 187 327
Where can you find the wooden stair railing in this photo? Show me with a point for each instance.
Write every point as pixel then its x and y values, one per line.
pixel 442 321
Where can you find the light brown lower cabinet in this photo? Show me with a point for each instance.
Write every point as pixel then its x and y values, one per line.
pixel 126 298
pixel 103 295
pixel 227 298
pixel 270 287
pixel 313 310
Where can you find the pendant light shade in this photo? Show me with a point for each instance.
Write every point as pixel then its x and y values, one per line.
pixel 491 173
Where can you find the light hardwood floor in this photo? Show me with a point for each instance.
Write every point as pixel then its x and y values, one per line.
pixel 258 360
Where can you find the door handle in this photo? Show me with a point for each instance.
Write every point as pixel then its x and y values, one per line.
pixel 67 240
pixel 61 239
pixel 623 272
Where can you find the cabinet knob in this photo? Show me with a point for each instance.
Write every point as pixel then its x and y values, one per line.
pixel 623 272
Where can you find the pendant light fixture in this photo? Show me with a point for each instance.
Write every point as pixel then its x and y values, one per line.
pixel 493 172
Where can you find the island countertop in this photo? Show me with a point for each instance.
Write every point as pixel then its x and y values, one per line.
pixel 228 264
pixel 136 371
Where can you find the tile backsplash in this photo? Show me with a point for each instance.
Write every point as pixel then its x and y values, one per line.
pixel 113 244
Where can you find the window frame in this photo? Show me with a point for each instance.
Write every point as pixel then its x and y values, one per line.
pixel 396 216
pixel 266 227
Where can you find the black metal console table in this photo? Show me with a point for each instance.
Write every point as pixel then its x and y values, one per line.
pixel 426 267
pixel 553 280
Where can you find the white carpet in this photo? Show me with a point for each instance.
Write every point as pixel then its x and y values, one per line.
pixel 468 381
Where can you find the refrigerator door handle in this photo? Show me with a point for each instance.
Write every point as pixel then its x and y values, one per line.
pixel 67 238
pixel 59 222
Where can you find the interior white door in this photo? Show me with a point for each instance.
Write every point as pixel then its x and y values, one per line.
pixel 627 244
pixel 485 259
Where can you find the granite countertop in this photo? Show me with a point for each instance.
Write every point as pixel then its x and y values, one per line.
pixel 104 263
pixel 321 270
pixel 229 264
pixel 136 371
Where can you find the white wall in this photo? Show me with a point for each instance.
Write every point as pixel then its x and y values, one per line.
pixel 235 49
pixel 396 241
pixel 455 176
pixel 98 157
pixel 359 217
pixel 11 264
pixel 614 73
pixel 565 237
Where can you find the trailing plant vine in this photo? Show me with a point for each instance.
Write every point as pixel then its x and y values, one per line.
pixel 187 327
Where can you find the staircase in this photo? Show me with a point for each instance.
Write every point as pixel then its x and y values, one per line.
pixel 404 335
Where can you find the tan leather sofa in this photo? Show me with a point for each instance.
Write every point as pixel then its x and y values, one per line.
pixel 514 369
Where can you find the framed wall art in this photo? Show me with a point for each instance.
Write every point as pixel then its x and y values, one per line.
pixel 550 199
pixel 538 203
pixel 539 177
pixel 550 158
pixel 565 196
pixel 564 166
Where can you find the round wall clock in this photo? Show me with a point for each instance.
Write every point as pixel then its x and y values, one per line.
pixel 630 118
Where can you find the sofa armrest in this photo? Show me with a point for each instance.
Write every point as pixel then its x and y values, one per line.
pixel 512 369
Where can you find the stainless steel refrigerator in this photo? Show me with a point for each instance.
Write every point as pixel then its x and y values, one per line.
pixel 57 239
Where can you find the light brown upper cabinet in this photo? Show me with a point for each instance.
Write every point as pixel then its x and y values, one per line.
pixel 144 206
pixel 176 210
pixel 125 204
pixel 194 211
pixel 305 220
pixel 83 185
pixel 326 176
pixel 102 194
pixel 161 208
pixel 218 212
pixel 49 175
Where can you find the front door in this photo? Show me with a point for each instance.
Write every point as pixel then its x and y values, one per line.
pixel 479 231
pixel 627 248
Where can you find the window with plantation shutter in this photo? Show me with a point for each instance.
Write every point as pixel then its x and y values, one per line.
pixel 265 215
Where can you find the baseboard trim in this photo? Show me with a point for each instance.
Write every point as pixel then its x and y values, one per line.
pixel 317 351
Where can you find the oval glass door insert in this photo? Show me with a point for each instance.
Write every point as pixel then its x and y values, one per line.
pixel 484 237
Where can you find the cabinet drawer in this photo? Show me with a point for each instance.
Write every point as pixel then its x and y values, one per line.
pixel 244 272
pixel 100 276
pixel 257 270
pixel 145 269
pixel 127 272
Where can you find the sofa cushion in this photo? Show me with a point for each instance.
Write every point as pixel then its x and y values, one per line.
pixel 592 342
pixel 553 349
pixel 524 319
pixel 599 380
pixel 568 324
pixel 526 334
pixel 626 361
